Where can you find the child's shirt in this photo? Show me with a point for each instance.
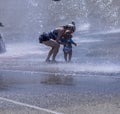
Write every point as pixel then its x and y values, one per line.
pixel 67 42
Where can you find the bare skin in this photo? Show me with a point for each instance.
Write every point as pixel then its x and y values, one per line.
pixel 54 49
pixel 61 31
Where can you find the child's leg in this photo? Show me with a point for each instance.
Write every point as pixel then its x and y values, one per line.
pixel 70 55
pixel 65 56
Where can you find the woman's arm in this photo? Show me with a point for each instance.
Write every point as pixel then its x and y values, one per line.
pixel 60 33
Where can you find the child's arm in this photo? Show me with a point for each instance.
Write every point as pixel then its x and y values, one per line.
pixel 62 43
pixel 74 44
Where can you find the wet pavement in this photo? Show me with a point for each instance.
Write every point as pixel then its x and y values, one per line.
pixel 64 92
pixel 88 85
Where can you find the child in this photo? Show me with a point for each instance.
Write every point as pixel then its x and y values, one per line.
pixel 67 42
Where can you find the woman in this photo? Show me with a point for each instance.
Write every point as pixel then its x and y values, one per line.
pixel 53 39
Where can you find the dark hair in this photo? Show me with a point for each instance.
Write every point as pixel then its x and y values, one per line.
pixel 65 27
pixel 73 23
pixel 70 26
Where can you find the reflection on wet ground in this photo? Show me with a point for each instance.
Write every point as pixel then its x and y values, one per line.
pixel 59 91
pixel 58 79
pixel 3 85
pixel 13 77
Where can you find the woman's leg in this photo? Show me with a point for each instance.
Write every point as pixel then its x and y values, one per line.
pixel 55 50
pixel 49 55
pixel 55 47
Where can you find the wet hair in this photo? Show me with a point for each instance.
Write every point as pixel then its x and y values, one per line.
pixel 73 23
pixel 65 27
pixel 70 26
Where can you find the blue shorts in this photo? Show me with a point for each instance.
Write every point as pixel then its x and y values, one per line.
pixel 67 49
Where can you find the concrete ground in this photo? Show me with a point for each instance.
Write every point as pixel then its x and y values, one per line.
pixel 27 89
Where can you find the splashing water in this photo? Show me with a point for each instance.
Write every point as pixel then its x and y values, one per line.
pixel 25 20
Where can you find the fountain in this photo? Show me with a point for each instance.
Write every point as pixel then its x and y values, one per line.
pixel 89 84
pixel 25 21
pixel 36 16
